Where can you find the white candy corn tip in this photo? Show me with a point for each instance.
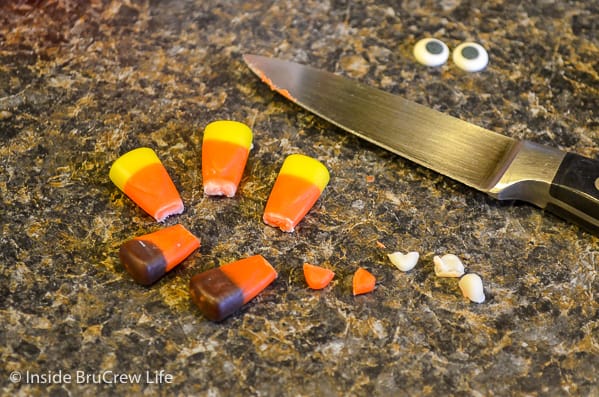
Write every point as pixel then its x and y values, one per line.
pixel 404 262
pixel 222 188
pixel 472 287
pixel 448 265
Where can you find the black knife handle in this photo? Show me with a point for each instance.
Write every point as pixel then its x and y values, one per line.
pixel 575 191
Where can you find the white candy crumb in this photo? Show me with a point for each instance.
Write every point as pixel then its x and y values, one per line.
pixel 472 287
pixel 448 265
pixel 404 262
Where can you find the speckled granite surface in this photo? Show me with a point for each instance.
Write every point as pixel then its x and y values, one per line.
pixel 82 84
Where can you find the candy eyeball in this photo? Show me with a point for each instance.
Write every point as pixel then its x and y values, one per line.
pixel 471 57
pixel 431 52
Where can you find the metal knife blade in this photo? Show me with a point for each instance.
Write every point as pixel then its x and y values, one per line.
pixel 502 167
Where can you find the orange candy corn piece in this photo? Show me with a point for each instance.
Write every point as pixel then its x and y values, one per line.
pixel 141 176
pixel 225 149
pixel 363 282
pixel 221 291
pixel 299 184
pixel 149 257
pixel 317 277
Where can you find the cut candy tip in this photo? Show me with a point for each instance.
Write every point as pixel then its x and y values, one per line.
pixel 173 209
pixel 220 188
pixel 285 224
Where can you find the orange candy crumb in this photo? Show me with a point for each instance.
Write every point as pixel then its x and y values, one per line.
pixel 317 277
pixel 363 282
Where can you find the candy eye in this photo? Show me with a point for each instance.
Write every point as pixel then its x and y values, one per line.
pixel 471 57
pixel 431 52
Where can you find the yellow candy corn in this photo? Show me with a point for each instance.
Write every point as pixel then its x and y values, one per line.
pixel 299 184
pixel 225 150
pixel 141 176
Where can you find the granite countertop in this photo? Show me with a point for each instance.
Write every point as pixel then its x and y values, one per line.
pixel 83 82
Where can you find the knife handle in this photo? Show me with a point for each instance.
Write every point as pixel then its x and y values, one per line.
pixel 566 184
pixel 575 191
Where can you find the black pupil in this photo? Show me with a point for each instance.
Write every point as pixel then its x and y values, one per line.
pixel 469 52
pixel 434 47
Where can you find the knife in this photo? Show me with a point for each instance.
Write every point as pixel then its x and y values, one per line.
pixel 564 183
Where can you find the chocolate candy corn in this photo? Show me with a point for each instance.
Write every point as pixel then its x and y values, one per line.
pixel 221 291
pixel 299 184
pixel 151 256
pixel 141 176
pixel 225 150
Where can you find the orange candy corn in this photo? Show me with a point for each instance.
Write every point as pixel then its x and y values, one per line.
pixel 225 150
pixel 363 282
pixel 149 257
pixel 317 277
pixel 141 176
pixel 221 291
pixel 299 184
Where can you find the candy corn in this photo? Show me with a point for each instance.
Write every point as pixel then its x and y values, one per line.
pixel 225 150
pixel 141 176
pixel 221 291
pixel 299 184
pixel 149 257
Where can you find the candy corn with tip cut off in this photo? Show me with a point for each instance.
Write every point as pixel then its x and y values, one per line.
pixel 299 184
pixel 221 291
pixel 225 149
pixel 151 256
pixel 141 176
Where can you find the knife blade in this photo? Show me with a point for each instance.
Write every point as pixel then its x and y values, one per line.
pixel 564 183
